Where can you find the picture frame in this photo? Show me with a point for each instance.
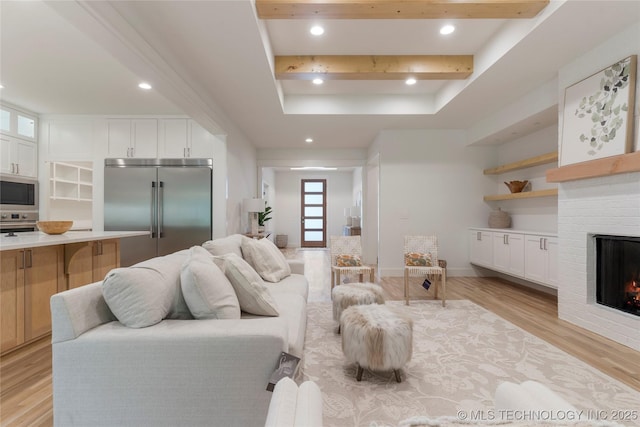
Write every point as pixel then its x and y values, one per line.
pixel 598 112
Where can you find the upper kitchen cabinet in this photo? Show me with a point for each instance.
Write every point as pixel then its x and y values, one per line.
pixel 132 138
pixel 17 123
pixel 66 139
pixel 184 138
pixel 18 157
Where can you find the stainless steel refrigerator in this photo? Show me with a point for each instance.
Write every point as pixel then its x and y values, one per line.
pixel 170 198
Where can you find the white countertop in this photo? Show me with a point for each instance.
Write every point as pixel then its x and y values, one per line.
pixel 514 230
pixel 34 239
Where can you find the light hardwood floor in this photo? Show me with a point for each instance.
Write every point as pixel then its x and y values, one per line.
pixel 25 374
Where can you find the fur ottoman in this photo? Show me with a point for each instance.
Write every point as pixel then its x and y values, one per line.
pixel 376 337
pixel 349 294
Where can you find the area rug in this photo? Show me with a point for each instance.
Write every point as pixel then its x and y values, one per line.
pixel 460 355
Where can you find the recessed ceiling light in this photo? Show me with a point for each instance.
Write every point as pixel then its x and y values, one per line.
pixel 410 81
pixel 308 140
pixel 317 30
pixel 318 81
pixel 145 86
pixel 447 29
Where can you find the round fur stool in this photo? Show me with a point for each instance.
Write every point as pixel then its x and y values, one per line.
pixel 376 337
pixel 349 294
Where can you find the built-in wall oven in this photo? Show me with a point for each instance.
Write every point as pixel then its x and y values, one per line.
pixel 18 203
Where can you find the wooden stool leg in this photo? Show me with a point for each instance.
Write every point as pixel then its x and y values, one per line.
pixel 437 286
pixel 372 276
pixel 361 277
pixel 397 372
pixel 359 373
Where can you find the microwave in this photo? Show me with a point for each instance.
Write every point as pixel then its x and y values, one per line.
pixel 18 193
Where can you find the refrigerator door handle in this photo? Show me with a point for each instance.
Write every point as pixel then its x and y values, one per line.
pixel 160 208
pixel 152 223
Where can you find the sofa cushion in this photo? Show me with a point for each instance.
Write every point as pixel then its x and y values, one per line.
pixel 266 259
pixel 169 267
pixel 206 289
pixel 253 295
pixel 225 245
pixel 138 297
pixel 295 283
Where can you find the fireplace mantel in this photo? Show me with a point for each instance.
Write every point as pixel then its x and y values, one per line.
pixel 624 163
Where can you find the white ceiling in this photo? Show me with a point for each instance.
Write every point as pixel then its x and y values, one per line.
pixel 213 61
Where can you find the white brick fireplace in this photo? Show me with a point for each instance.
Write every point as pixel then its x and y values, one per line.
pixel 604 205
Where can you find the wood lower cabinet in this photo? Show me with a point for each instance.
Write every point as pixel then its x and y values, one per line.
pixel 29 278
pixel 89 262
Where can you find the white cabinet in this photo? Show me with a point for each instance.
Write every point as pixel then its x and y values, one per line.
pixel 18 123
pixel 508 253
pixel 18 157
pixel 183 138
pixel 132 138
pixel 71 182
pixel 481 248
pixel 541 261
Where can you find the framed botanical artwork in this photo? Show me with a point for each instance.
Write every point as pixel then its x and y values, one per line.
pixel 598 114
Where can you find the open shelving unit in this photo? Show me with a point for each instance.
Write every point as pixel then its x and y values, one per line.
pixel 523 164
pixel 71 182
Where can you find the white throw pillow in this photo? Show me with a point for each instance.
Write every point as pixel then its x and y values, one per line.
pixel 253 295
pixel 266 259
pixel 206 289
pixel 225 245
pixel 138 297
pixel 282 408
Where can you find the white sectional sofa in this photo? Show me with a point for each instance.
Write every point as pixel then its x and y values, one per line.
pixel 179 371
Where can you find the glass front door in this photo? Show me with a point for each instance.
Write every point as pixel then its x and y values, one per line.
pixel 313 230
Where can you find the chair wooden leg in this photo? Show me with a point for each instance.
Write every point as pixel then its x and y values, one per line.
pixel 443 278
pixel 436 288
pixel 406 287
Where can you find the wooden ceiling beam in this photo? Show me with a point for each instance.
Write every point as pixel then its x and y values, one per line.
pixel 399 9
pixel 367 67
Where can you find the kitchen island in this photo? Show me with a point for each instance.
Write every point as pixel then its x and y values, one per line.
pixel 35 265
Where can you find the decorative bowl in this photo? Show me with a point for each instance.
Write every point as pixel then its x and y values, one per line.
pixel 54 227
pixel 516 186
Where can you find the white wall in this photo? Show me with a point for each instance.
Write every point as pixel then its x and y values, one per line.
pixel 287 202
pixel 540 214
pixel 431 183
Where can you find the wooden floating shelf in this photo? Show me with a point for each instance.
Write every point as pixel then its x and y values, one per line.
pixel 522 164
pixel 525 195
pixel 623 163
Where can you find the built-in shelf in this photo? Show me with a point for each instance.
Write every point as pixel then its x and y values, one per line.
pixel 522 164
pixel 71 182
pixel 525 195
pixel 623 163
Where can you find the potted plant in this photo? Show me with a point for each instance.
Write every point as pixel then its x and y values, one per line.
pixel 263 217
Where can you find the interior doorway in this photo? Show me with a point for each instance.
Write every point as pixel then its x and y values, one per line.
pixel 313 213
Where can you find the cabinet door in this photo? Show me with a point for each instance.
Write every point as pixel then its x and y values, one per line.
pixel 552 261
pixel 515 242
pixel 535 259
pixel 6 155
pixel 44 277
pixel 173 138
pixel 11 299
pixel 26 158
pixel 201 144
pixel 69 140
pixel 501 254
pixel 481 248
pixel 119 138
pixel 145 138
pixel 106 258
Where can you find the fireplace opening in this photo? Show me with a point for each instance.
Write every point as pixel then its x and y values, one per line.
pixel 618 272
